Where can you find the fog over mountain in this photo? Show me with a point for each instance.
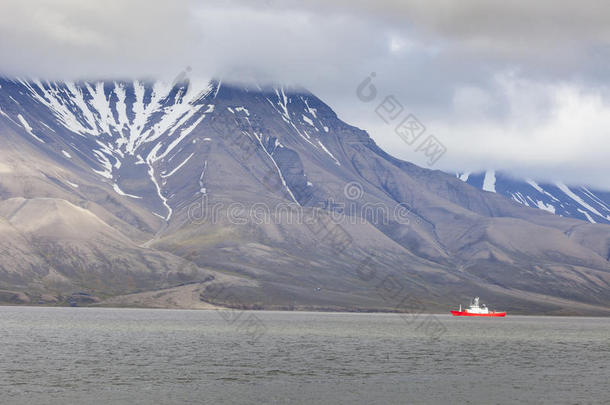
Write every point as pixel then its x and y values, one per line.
pixel 518 87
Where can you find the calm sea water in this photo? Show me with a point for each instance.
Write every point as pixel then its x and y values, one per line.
pixel 134 356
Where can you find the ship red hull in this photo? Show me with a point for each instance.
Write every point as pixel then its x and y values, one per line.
pixel 491 314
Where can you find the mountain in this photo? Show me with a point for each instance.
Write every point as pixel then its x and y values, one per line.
pixel 136 193
pixel 578 202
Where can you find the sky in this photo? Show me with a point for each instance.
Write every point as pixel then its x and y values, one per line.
pixel 518 86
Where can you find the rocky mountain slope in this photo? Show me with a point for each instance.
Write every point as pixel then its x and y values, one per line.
pixel 261 198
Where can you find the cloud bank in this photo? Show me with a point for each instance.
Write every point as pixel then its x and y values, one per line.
pixel 518 86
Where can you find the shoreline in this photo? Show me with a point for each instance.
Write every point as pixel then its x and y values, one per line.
pixel 296 311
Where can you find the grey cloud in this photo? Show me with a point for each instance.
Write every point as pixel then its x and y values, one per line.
pixel 485 76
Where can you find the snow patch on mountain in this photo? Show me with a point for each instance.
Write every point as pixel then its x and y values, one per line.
pixel 489 184
pixel 178 167
pixel 121 192
pixel 546 207
pixel 576 198
pixel 586 214
pixel 464 176
pixel 28 128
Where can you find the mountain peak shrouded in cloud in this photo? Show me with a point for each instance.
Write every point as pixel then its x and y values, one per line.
pixel 519 86
pixel 129 186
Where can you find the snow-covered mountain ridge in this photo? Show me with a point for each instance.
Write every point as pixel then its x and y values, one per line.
pixel 579 202
pixel 113 126
pixel 120 128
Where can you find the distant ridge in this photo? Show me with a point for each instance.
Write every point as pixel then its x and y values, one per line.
pixel 579 202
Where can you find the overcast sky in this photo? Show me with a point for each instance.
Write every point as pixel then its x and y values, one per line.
pixel 518 86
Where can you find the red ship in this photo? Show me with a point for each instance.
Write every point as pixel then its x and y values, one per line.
pixel 477 310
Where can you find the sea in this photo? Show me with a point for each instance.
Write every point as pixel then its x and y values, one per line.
pixel 147 356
